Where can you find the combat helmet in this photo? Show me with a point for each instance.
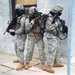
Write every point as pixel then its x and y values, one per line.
pixel 32 9
pixel 19 6
pixel 57 9
pixel 19 9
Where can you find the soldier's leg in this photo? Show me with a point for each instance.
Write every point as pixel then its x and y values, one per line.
pixel 21 59
pixel 20 51
pixel 56 61
pixel 20 47
pixel 40 45
pixel 52 44
pixel 30 49
pixel 15 47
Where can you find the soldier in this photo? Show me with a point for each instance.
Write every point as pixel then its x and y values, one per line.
pixel 19 32
pixel 34 37
pixel 53 44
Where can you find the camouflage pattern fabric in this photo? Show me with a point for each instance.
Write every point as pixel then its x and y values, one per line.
pixel 53 43
pixel 20 38
pixel 32 40
pixel 31 44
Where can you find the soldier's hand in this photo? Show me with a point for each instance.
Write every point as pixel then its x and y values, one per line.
pixel 34 20
pixel 12 32
pixel 58 23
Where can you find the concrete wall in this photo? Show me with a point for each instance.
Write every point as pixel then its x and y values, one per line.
pixel 6 42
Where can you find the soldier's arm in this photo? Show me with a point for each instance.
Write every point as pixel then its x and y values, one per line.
pixel 22 28
pixel 28 24
pixel 50 26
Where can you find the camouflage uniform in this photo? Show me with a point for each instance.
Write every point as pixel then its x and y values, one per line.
pixel 32 40
pixel 20 35
pixel 53 43
pixel 20 39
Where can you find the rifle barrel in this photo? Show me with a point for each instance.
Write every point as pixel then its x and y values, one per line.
pixel 4 32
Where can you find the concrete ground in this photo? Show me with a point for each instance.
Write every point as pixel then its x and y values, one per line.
pixel 9 71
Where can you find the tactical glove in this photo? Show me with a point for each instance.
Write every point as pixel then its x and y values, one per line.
pixel 12 32
pixel 58 23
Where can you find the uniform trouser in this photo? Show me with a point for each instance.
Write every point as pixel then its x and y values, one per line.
pixel 31 44
pixel 53 50
pixel 20 46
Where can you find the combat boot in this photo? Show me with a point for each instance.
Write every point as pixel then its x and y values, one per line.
pixel 48 69
pixel 16 61
pixel 26 65
pixel 57 64
pixel 43 66
pixel 21 66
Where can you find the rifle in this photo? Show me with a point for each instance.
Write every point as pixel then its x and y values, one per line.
pixel 62 29
pixel 11 25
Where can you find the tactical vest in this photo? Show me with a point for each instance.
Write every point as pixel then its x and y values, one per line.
pixel 38 28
